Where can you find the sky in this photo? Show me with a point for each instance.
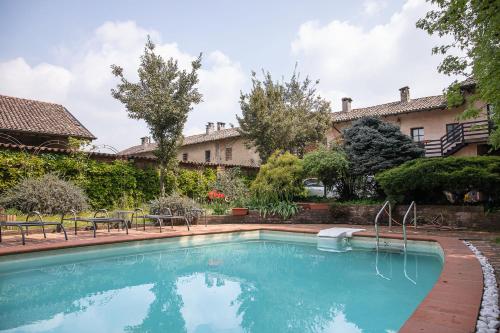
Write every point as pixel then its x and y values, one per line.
pixel 61 51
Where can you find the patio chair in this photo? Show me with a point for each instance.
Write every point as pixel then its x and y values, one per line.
pixel 159 217
pixel 100 216
pixel 39 222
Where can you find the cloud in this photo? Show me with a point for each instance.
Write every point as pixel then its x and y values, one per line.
pixel 370 65
pixel 373 7
pixel 83 86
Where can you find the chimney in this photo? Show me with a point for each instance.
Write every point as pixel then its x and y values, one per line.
pixel 210 127
pixel 346 104
pixel 145 140
pixel 405 94
pixel 220 125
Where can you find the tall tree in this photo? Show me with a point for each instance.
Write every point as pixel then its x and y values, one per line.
pixel 162 98
pixel 373 145
pixel 474 26
pixel 282 115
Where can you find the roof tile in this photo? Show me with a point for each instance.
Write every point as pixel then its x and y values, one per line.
pixel 19 114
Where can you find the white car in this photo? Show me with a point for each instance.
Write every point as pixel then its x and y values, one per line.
pixel 315 188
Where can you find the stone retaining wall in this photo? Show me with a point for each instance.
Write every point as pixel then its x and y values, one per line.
pixel 455 216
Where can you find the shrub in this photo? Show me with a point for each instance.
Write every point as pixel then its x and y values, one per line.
pixel 373 146
pixel 107 185
pixel 283 209
pixel 195 183
pixel 232 184
pixel 176 202
pixel 280 179
pixel 425 179
pixel 47 194
pixel 328 165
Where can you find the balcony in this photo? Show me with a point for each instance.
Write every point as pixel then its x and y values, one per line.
pixel 459 137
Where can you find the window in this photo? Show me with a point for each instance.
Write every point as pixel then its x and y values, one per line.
pixel 229 153
pixel 207 156
pixel 417 134
pixel 451 133
pixel 185 157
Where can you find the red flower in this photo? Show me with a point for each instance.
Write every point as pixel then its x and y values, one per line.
pixel 215 195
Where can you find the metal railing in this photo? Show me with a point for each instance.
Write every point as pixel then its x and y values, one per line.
pixel 387 203
pixel 414 206
pixel 455 139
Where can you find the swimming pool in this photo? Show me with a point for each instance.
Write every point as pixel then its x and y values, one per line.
pixel 259 281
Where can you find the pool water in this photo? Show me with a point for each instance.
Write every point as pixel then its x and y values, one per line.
pixel 246 285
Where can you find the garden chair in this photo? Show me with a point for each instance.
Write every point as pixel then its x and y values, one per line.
pixel 100 216
pixel 159 217
pixel 39 222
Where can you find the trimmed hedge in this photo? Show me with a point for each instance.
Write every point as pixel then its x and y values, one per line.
pixel 425 179
pixel 107 185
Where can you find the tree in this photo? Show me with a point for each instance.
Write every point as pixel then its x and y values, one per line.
pixel 474 26
pixel 373 145
pixel 327 164
pixel 162 98
pixel 282 115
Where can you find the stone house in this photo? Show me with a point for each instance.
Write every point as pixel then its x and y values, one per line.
pixel 218 146
pixel 427 120
pixel 34 123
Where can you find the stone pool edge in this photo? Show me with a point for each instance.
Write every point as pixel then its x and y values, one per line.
pixel 452 305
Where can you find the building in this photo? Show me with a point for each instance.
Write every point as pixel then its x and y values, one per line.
pixel 427 120
pixel 217 146
pixel 34 123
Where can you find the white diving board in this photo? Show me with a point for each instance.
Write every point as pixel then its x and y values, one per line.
pixel 335 239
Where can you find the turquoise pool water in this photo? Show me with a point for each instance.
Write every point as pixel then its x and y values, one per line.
pixel 248 282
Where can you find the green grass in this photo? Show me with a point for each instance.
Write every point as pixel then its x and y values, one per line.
pixel 497 240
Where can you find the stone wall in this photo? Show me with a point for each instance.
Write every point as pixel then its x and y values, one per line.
pixel 308 216
pixel 454 216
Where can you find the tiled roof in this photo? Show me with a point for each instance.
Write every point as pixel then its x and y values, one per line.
pixel 139 149
pixel 188 140
pixel 18 114
pixel 215 135
pixel 393 108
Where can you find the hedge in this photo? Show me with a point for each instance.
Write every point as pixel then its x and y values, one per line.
pixel 108 185
pixel 425 179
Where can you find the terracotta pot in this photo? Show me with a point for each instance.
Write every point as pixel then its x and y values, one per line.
pixel 319 206
pixel 240 211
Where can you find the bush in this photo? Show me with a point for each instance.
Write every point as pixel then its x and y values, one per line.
pixel 328 165
pixel 373 145
pixel 232 184
pixel 280 179
pixel 107 185
pixel 176 202
pixel 425 179
pixel 283 209
pixel 47 194
pixel 194 183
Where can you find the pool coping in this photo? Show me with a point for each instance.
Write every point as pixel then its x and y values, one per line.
pixel 452 305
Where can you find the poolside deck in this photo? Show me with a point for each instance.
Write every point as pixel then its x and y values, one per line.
pixel 452 305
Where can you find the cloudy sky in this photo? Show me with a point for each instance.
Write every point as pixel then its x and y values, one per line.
pixel 61 51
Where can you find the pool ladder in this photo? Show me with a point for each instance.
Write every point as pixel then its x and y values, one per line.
pixel 389 213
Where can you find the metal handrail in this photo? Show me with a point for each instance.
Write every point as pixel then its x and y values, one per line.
pixel 414 206
pixel 378 216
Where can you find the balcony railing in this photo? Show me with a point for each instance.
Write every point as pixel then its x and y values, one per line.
pixel 458 137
